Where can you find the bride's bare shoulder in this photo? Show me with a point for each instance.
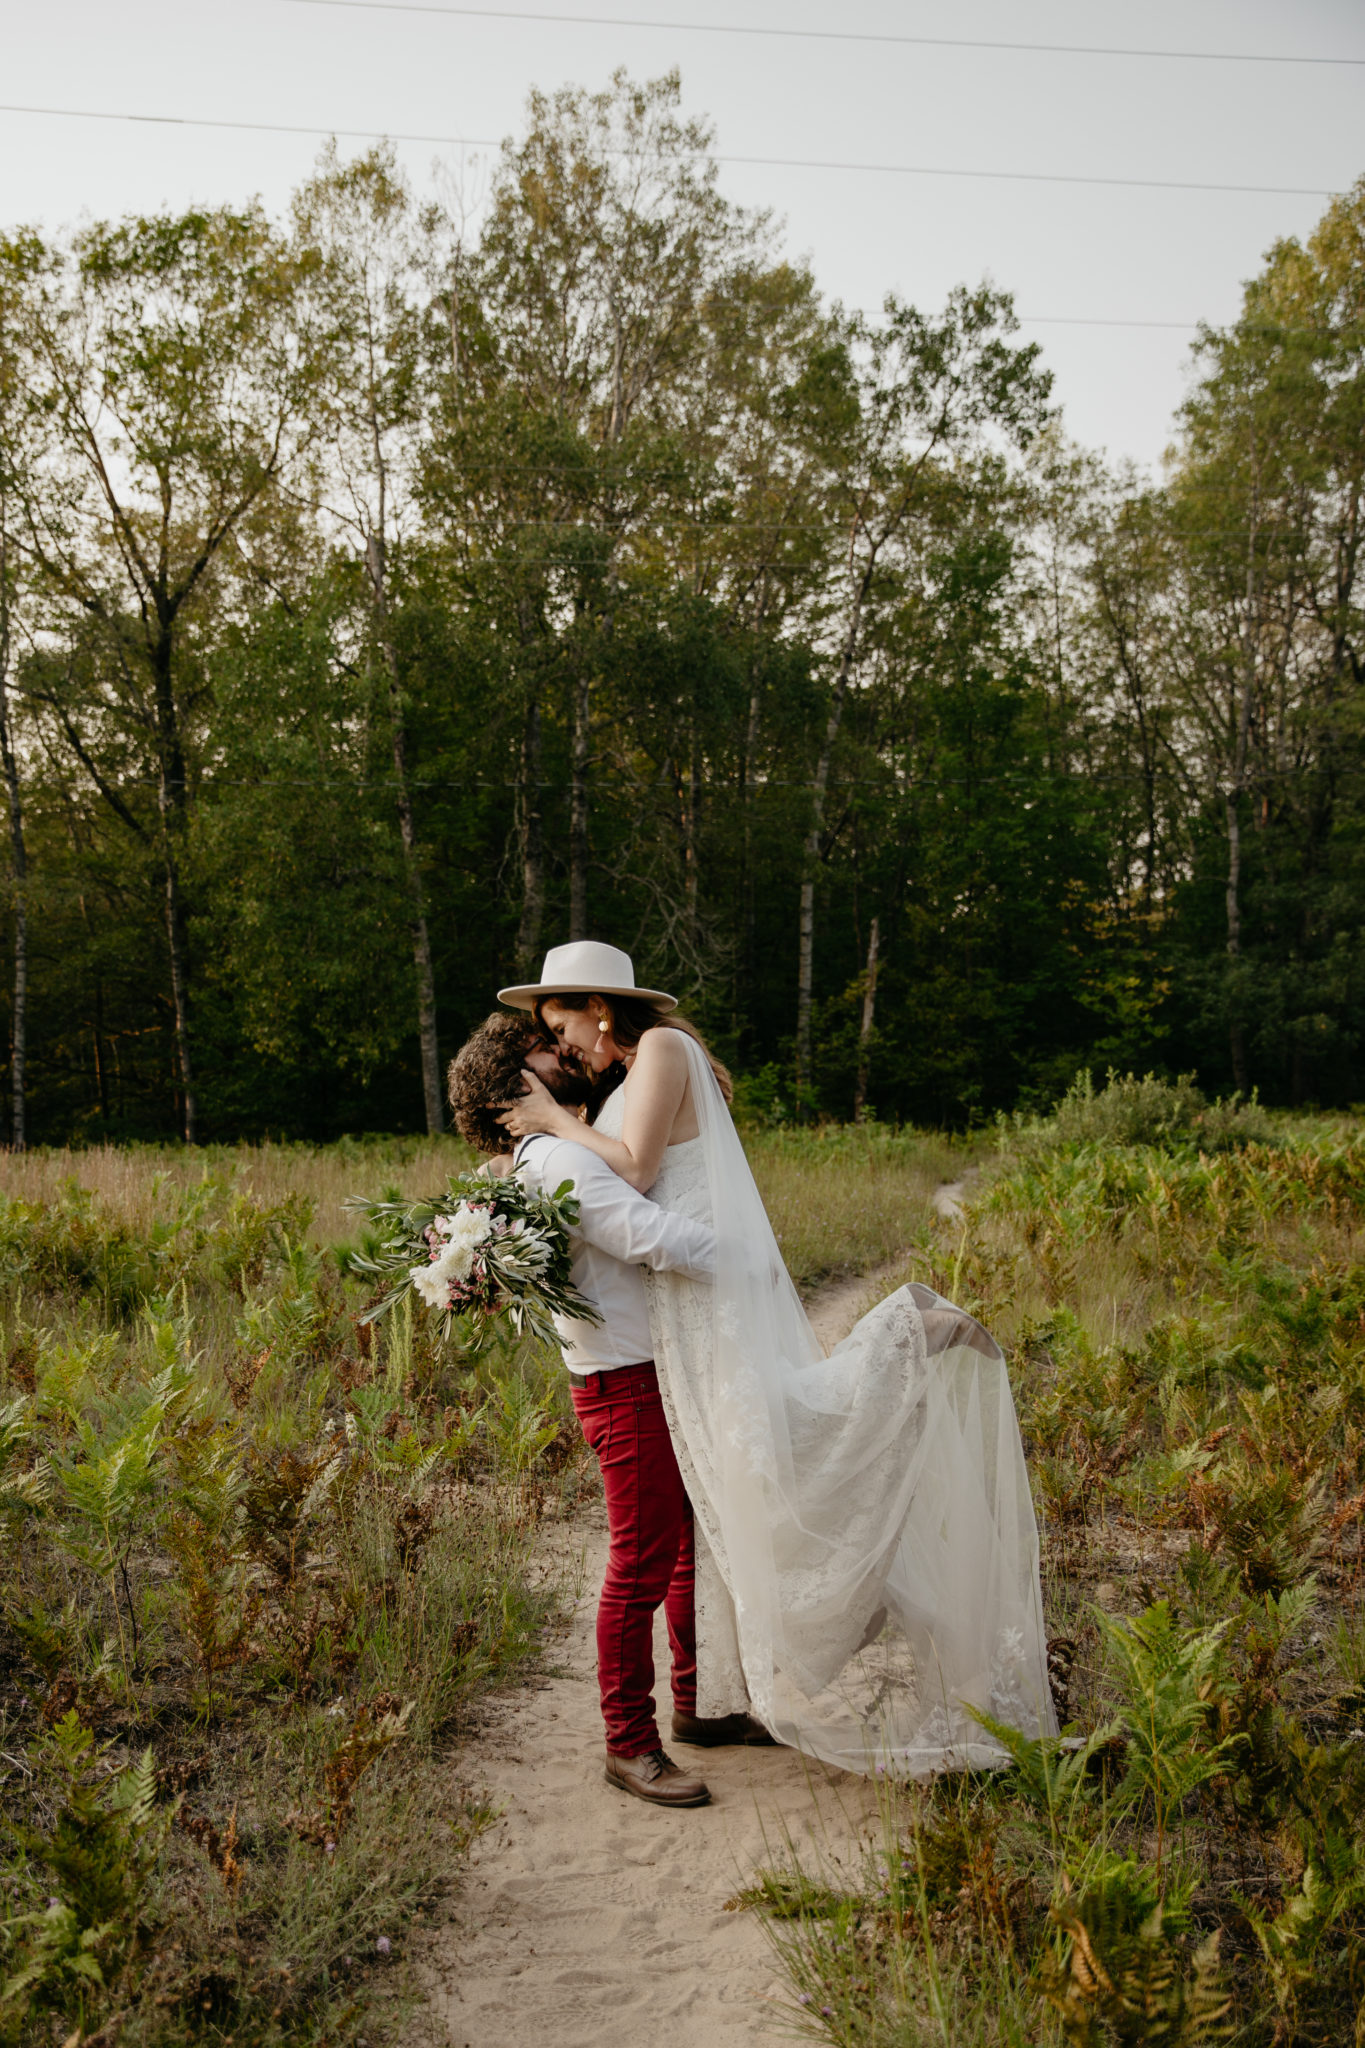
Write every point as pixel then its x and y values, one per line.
pixel 662 1053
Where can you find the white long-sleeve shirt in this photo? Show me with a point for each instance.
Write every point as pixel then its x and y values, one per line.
pixel 618 1232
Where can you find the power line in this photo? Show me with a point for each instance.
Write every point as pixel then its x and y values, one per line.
pixel 825 35
pixel 798 163
pixel 1091 320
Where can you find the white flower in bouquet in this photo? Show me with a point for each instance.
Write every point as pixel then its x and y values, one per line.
pixel 486 1252
pixel 464 1231
pixel 469 1228
pixel 432 1285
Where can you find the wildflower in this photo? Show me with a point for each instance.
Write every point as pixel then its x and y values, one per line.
pixel 383 1944
pixel 329 1848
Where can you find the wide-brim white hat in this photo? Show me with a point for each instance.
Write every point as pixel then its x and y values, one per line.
pixel 585 967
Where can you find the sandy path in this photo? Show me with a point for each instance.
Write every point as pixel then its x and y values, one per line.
pixel 949 1196
pixel 590 1918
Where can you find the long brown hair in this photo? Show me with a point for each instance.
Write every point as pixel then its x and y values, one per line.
pixel 628 1019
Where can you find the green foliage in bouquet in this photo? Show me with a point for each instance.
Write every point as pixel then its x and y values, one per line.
pixel 483 1249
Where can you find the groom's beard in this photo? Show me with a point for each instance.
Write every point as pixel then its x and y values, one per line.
pixel 571 1091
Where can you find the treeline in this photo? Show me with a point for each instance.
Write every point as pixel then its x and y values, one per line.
pixel 383 600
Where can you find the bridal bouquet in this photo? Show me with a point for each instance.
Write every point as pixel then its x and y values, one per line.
pixel 483 1249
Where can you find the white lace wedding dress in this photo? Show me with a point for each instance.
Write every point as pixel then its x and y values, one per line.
pixel 867 1553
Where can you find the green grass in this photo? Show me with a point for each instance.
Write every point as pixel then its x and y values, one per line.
pixel 287 1564
pixel 1186 1329
pixel 258 1562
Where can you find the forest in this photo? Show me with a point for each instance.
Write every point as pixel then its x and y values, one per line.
pixel 394 589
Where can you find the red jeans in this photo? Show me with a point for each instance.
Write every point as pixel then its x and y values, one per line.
pixel 651 1558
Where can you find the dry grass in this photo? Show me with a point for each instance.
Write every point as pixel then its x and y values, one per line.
pixel 843 1199
pixel 848 1198
pixel 280 1557
pixel 1187 1340
pixel 139 1182
pixel 261 1562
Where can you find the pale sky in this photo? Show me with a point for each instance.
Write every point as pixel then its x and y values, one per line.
pixel 1069 253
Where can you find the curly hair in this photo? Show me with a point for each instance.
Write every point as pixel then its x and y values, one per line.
pixel 485 1075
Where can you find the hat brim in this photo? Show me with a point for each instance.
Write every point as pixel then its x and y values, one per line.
pixel 528 995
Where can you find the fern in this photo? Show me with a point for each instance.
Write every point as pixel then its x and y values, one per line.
pixel 24 1488
pixel 101 1854
pixel 1053 1773
pixel 1122 1972
pixel 1269 1519
pixel 374 1730
pixel 1167 1676
pixel 1331 1888
pixel 519 1428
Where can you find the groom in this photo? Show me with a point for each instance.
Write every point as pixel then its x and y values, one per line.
pixel 615 1393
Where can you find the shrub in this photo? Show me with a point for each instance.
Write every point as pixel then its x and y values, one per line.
pixel 1150 1111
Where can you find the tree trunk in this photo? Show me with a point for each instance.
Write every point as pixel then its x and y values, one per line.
pixel 453 320
pixel 745 952
pixel 869 1013
pixel 173 800
pixel 691 870
pixel 812 848
pixel 19 1031
pixel 101 1058
pixel 532 842
pixel 421 940
pixel 1232 799
pixel 180 1004
pixel 1236 1040
pixel 578 807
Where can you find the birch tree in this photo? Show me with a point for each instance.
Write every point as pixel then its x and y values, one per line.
pixel 370 253
pixel 169 364
pixel 918 391
pixel 12 441
pixel 605 232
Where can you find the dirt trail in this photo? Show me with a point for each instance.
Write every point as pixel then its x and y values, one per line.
pixel 949 1196
pixel 590 1918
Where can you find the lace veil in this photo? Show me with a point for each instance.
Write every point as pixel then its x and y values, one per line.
pixel 868 1512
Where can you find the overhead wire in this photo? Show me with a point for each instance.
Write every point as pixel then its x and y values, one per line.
pixel 827 35
pixel 797 163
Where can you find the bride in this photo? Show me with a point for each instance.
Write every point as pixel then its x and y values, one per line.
pixel 867 1554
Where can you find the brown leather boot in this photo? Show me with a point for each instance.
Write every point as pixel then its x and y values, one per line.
pixel 723 1731
pixel 656 1777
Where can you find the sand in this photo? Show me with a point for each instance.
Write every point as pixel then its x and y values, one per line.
pixel 588 1917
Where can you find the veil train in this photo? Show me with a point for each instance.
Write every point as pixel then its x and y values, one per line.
pixel 867 1546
